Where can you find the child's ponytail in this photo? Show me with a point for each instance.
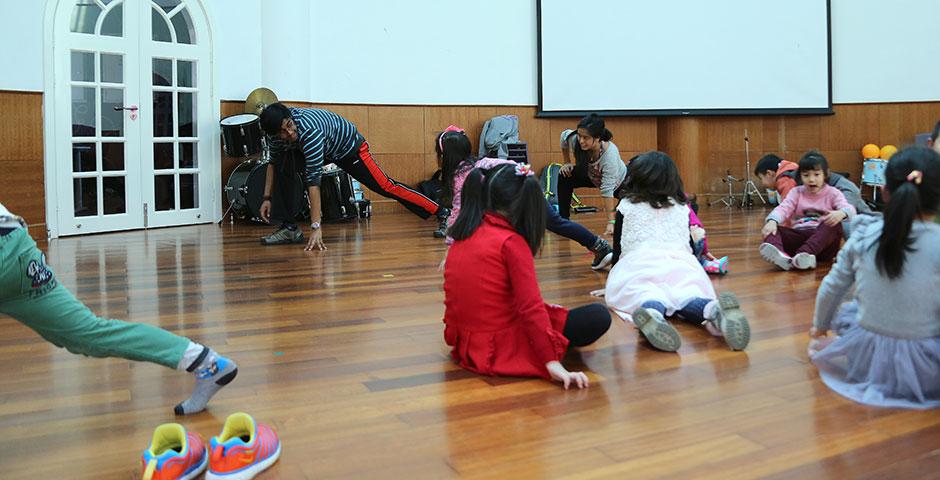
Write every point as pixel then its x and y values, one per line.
pixel 527 213
pixel 472 205
pixel 913 182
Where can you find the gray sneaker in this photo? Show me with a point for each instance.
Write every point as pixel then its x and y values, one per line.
pixel 283 236
pixel 603 254
pixel 804 261
pixel 731 321
pixel 657 330
pixel 773 255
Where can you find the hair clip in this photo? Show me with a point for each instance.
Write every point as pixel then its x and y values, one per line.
pixel 524 169
pixel 450 128
pixel 915 176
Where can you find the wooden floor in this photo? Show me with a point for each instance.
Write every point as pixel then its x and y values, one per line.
pixel 342 352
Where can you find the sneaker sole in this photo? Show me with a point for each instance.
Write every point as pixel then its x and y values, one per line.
pixel 804 262
pixel 771 254
pixel 248 473
pixel 198 471
pixel 604 262
pixel 661 335
pixel 734 324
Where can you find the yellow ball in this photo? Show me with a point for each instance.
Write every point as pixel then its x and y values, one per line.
pixel 871 151
pixel 887 151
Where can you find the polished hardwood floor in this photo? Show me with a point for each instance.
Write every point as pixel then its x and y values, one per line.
pixel 342 352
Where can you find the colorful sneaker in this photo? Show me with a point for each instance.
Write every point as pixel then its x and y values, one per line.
pixel 718 267
pixel 775 256
pixel 174 454
pixel 603 254
pixel 804 261
pixel 282 236
pixel 657 330
pixel 728 319
pixel 244 449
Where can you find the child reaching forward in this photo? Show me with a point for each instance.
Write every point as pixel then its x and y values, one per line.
pixel 887 352
pixel 658 276
pixel 807 225
pixel 496 320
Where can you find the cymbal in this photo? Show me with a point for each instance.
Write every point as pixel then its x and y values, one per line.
pixel 258 99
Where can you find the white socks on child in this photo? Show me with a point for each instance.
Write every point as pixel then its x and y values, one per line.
pixel 212 371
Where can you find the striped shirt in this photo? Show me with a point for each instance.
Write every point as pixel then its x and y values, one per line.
pixel 323 137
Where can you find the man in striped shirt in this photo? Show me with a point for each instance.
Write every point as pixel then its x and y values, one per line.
pixel 324 137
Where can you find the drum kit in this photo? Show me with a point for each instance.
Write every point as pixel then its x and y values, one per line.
pixel 242 137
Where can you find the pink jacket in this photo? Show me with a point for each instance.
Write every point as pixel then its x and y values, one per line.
pixel 802 209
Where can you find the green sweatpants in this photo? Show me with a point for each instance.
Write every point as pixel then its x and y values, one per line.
pixel 30 293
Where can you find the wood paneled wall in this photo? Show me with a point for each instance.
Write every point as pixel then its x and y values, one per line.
pixel 402 140
pixel 22 189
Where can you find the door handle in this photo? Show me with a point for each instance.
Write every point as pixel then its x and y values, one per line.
pixel 132 108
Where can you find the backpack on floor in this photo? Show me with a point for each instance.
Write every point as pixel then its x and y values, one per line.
pixel 432 187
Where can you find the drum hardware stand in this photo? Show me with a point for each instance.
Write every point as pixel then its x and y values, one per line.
pixel 750 188
pixel 727 200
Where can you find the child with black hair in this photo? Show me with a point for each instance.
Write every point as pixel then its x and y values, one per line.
pixel 658 275
pixel 453 152
pixel 934 140
pixel 496 320
pixel 807 226
pixel 887 352
pixel 775 174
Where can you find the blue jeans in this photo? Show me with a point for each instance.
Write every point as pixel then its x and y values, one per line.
pixel 559 225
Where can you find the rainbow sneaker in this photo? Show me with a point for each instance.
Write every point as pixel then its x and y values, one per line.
pixel 244 449
pixel 717 267
pixel 174 454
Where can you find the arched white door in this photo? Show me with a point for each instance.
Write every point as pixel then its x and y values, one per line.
pixel 133 127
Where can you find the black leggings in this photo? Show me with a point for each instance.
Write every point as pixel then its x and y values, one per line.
pixel 586 324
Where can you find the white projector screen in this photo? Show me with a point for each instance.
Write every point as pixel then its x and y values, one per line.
pixel 684 57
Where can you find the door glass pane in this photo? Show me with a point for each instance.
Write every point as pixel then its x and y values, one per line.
pixel 114 195
pixel 113 23
pixel 184 27
pixel 83 157
pixel 167 5
pixel 184 74
pixel 162 72
pixel 112 156
pixel 83 112
pixel 164 192
pixel 162 114
pixel 85 196
pixel 112 121
pixel 162 156
pixel 187 114
pixel 112 68
pixel 189 191
pixel 188 155
pixel 161 31
pixel 83 66
pixel 84 16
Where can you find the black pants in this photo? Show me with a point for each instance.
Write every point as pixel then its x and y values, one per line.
pixel 566 186
pixel 360 165
pixel 586 324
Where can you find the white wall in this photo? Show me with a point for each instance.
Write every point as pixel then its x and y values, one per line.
pixel 480 52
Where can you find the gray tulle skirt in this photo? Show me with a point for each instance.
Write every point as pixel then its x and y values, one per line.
pixel 879 370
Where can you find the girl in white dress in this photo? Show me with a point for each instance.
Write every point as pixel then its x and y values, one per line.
pixel 657 275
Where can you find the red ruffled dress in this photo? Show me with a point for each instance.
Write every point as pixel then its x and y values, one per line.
pixel 496 320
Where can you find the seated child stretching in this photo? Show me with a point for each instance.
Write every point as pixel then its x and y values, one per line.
pixel 496 320
pixel 453 150
pixel 31 293
pixel 807 225
pixel 887 352
pixel 658 275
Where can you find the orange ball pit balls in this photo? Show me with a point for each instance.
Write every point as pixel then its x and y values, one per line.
pixel 887 151
pixel 871 151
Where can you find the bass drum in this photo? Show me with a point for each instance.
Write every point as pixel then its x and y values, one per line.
pixel 245 191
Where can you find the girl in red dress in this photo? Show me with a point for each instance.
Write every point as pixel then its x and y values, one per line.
pixel 496 320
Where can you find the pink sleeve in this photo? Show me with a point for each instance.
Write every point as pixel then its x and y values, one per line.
pixel 459 180
pixel 840 202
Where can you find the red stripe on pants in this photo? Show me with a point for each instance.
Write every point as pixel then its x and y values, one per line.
pixel 391 188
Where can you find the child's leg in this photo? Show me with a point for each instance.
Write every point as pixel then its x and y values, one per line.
pixel 787 240
pixel 37 300
pixel 823 243
pixel 697 310
pixel 649 318
pixel 586 324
